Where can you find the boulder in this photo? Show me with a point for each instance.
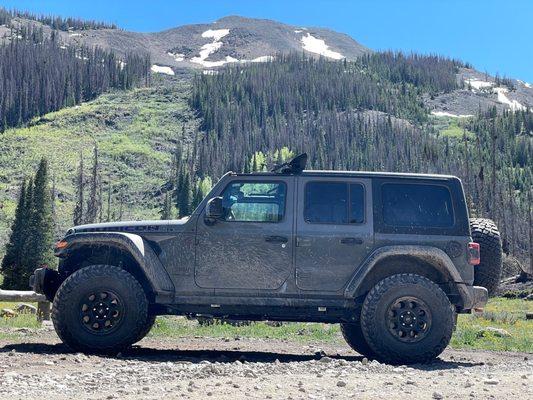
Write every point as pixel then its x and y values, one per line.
pixel 25 308
pixel 7 313
pixel 498 332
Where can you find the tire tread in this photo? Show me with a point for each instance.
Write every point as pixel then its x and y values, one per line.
pixel 97 272
pixel 374 338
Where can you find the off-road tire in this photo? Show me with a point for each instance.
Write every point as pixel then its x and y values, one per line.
pixel 353 335
pixel 375 316
pixel 73 292
pixel 488 273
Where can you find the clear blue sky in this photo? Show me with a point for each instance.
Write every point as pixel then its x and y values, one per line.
pixel 495 36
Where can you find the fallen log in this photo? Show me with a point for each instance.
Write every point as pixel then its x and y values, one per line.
pixel 43 305
pixel 16 295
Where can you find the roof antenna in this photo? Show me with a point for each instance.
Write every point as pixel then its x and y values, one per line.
pixel 295 166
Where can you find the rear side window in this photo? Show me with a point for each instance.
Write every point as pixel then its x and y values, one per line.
pixel 416 205
pixel 334 203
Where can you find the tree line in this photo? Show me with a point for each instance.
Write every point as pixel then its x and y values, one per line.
pixel 55 22
pixel 43 76
pixel 267 106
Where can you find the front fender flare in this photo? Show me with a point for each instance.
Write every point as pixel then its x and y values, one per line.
pixel 433 255
pixel 138 248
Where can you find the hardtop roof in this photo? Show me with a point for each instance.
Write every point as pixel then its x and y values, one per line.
pixel 358 174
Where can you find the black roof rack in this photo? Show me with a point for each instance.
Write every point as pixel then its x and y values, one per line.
pixel 295 166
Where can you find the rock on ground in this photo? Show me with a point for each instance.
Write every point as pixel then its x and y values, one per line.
pixel 198 368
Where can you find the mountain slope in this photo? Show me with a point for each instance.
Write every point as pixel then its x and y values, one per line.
pixel 230 39
pixel 136 133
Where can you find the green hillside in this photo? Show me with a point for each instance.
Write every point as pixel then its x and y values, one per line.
pixel 136 133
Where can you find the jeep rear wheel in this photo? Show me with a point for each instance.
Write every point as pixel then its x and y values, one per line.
pixel 406 318
pixel 489 271
pixel 353 335
pixel 100 309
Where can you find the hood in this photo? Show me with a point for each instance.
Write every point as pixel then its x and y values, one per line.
pixel 130 226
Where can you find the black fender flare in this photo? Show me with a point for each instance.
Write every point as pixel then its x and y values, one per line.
pixel 433 255
pixel 138 248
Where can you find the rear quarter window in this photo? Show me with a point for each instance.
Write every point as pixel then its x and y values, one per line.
pixel 417 205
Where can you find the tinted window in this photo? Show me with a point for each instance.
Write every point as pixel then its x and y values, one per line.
pixel 417 205
pixel 333 203
pixel 254 202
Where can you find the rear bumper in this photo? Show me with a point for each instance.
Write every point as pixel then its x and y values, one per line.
pixel 480 296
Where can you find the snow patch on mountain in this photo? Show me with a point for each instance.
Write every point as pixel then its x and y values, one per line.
pixel 319 46
pixel 478 84
pixel 216 34
pixel 159 69
pixel 177 56
pixel 210 48
pixel 502 98
pixel 447 114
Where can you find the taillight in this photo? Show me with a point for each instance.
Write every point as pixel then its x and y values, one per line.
pixel 474 257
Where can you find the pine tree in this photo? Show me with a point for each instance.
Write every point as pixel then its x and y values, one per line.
pixel 39 246
pixel 78 208
pixel 13 256
pixel 197 196
pixel 166 211
pixel 93 205
pixel 184 195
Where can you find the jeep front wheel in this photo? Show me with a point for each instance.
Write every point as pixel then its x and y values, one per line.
pixel 100 309
pixel 406 318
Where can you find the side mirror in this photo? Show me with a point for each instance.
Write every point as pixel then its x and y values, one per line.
pixel 214 210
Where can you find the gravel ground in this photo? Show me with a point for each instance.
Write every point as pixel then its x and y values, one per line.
pixel 37 366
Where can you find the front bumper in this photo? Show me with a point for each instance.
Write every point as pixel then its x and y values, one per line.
pixel 45 281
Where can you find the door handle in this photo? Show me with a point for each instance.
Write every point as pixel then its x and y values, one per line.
pixel 276 239
pixel 351 240
pixel 303 242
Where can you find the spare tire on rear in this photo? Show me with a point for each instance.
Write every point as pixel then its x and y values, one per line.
pixel 488 273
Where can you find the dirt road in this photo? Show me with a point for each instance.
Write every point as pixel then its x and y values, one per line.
pixel 39 367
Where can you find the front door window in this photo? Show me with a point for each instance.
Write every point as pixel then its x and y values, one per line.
pixel 254 202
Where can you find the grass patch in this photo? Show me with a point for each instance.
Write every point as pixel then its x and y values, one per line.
pixel 22 320
pixel 501 313
pixel 455 131
pixel 302 332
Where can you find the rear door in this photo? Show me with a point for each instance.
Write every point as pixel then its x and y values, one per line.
pixel 334 231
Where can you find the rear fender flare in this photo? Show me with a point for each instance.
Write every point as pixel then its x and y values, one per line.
pixel 433 255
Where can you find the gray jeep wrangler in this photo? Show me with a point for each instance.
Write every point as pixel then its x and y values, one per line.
pixel 388 256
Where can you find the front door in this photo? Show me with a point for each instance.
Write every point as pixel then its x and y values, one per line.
pixel 334 231
pixel 251 247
